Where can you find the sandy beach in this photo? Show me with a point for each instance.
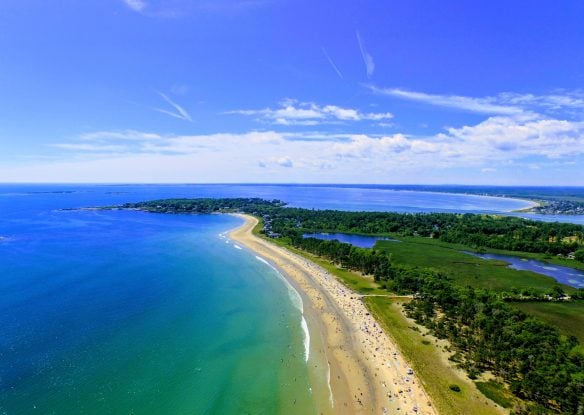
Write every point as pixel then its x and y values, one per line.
pixel 367 372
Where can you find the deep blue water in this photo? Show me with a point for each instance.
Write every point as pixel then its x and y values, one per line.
pixel 362 241
pixel 119 312
pixel 339 197
pixel 564 275
pixel 319 197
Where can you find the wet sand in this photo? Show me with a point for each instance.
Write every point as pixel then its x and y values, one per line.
pixel 367 373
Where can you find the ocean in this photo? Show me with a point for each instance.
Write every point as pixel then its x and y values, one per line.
pixel 124 312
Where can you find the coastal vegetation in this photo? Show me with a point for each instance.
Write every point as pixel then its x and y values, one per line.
pixel 539 365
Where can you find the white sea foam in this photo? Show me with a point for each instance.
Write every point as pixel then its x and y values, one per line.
pixel 262 260
pixel 306 338
pixel 237 246
pixel 296 300
pixel 328 382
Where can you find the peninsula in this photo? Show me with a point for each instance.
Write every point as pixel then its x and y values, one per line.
pixel 515 357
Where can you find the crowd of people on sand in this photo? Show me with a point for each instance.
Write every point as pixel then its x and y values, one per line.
pixel 396 388
pixel 400 387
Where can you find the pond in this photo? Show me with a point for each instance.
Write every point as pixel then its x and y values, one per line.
pixel 362 241
pixel 564 275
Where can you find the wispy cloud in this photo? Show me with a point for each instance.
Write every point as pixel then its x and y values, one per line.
pixel 123 135
pixel 566 103
pixel 479 105
pixel 179 9
pixel 136 5
pixel 330 61
pixel 89 147
pixel 293 112
pixel 179 112
pixel 367 58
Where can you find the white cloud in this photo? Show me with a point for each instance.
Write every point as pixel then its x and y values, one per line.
pixel 292 112
pixel 506 103
pixel 136 5
pixel 560 101
pixel 89 147
pixel 130 135
pixel 285 162
pixel 136 142
pixel 520 136
pixel 478 105
pixel 498 142
pixel 367 58
pixel 497 139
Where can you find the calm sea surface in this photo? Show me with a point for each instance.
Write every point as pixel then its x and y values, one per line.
pixel 362 241
pixel 565 275
pixel 119 312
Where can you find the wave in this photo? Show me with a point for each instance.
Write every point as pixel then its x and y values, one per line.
pixel 306 334
pixel 296 300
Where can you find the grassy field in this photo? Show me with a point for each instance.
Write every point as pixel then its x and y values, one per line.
pixel 497 393
pixel 464 268
pixel 568 317
pixel 427 360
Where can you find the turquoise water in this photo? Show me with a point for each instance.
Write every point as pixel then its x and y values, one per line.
pixel 119 312
pixel 134 313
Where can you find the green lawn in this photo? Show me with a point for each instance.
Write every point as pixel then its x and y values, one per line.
pixel 568 317
pixel 464 268
pixel 497 393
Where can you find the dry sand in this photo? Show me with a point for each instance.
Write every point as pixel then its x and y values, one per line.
pixel 367 372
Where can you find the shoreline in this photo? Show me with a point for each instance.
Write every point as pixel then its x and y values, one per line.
pixel 367 372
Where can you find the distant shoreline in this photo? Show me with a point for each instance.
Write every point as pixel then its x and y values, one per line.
pixel 367 374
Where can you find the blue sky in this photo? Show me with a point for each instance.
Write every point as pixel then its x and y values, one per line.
pixel 481 92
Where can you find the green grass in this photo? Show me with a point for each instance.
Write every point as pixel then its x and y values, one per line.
pixel 463 268
pixel 496 392
pixel 567 317
pixel 436 374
